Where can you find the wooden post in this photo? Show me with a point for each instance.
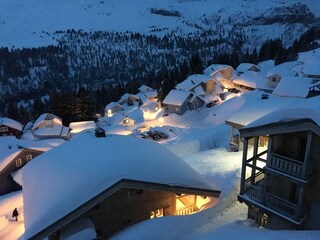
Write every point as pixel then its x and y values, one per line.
pixel 254 159
pixel 306 162
pixel 300 202
pixel 243 170
pixel 265 188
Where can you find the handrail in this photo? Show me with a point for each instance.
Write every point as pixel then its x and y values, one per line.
pixel 286 165
pixel 287 158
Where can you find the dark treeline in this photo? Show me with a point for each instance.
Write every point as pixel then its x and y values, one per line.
pixel 86 71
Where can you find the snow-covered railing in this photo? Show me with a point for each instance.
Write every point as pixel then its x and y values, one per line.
pixel 287 208
pixel 287 165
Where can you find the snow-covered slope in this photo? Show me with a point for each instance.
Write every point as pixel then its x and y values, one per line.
pixel 34 23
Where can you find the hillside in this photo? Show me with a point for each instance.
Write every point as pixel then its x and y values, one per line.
pixel 33 23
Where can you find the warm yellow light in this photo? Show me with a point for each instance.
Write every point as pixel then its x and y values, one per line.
pixel 109 113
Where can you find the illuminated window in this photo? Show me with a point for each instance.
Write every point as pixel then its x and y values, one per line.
pixel 3 129
pixel 126 121
pixel 29 157
pixel 19 162
pixel 48 123
pixel 156 213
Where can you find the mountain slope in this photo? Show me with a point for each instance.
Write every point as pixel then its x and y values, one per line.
pixel 34 23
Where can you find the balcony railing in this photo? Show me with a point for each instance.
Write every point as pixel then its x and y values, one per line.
pixel 185 210
pixel 254 192
pixel 287 165
pixel 284 207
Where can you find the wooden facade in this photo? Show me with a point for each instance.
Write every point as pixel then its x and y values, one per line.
pixel 6 130
pixel 7 184
pixel 178 109
pixel 281 185
pixel 128 202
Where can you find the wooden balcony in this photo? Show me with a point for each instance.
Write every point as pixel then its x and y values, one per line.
pixel 287 165
pixel 253 192
pixel 271 202
pixel 280 205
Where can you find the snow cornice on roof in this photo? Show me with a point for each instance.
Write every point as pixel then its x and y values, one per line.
pixel 285 126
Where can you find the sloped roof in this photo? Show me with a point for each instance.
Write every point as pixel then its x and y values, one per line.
pixel 127 95
pixel 293 87
pixel 145 89
pixel 90 165
pixel 176 97
pixel 243 67
pixel 249 79
pixel 304 109
pixel 7 156
pixel 55 131
pixel 47 116
pixel 11 123
pixel 192 81
pixel 249 106
pixel 112 105
pixel 80 126
pixel 215 67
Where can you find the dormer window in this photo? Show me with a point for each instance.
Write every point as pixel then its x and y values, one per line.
pixel 48 123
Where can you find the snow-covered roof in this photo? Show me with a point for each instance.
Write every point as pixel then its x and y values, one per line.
pixel 311 60
pixel 215 67
pixel 293 87
pixel 7 156
pixel 243 67
pixel 55 131
pixel 143 97
pixel 59 181
pixel 209 98
pixel 41 145
pixel 126 96
pixel 136 114
pixel 286 69
pixel 145 89
pixel 249 106
pixel 249 79
pixel 80 126
pixel 112 105
pixel 47 116
pixel 199 91
pixel 176 97
pixel 304 109
pixel 192 81
pixel 11 123
pixel 151 94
